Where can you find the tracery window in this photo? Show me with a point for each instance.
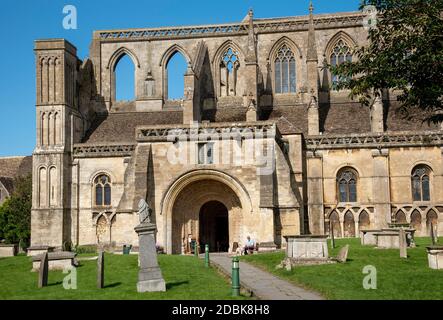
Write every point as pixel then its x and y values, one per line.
pixel 228 72
pixel 285 70
pixel 102 187
pixel 347 185
pixel 420 183
pixel 340 54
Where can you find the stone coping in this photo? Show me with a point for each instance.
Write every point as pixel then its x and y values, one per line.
pixel 3 245
pixel 386 234
pixel 374 230
pixel 308 237
pixel 56 256
pixel 41 248
pixel 437 248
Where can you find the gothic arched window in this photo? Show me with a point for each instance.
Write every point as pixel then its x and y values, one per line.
pixel 340 54
pixel 229 65
pixel 285 76
pixel 102 187
pixel 347 185
pixel 420 183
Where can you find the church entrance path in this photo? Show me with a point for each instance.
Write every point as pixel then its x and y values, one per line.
pixel 263 285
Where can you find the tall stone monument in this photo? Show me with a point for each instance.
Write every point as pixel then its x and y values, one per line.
pixel 150 277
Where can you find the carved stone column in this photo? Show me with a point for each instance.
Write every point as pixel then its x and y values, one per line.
pixel 315 192
pixel 381 187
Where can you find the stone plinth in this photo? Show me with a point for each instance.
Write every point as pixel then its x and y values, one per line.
pixel 150 277
pixel 435 257
pixel 38 250
pixel 56 261
pixel 8 250
pixel 367 237
pixel 388 240
pixel 307 247
pixel 267 247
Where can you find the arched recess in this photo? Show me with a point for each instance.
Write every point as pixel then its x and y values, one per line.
pixel 216 63
pixel 112 64
pixel 233 196
pixel 53 186
pixel 103 229
pixel 42 186
pixel 400 217
pixel 334 223
pixel 166 57
pixel 416 221
pixel 364 221
pixel 273 54
pixel 349 225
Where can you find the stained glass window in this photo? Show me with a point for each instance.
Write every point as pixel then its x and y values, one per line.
pixel 420 184
pixel 102 190
pixel 285 71
pixel 347 186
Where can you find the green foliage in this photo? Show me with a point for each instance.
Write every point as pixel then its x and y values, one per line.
pixel 15 213
pixel 405 53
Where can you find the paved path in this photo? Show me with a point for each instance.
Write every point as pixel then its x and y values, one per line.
pixel 263 285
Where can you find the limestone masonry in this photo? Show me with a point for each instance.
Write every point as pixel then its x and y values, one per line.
pixel 261 144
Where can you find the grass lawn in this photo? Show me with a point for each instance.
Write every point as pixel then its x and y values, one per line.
pixel 186 278
pixel 397 279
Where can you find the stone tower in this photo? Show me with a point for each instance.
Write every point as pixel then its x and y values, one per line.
pixel 58 120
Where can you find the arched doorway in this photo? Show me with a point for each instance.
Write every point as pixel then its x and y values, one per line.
pixel 349 225
pixel 214 226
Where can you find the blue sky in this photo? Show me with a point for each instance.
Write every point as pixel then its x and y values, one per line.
pixel 21 22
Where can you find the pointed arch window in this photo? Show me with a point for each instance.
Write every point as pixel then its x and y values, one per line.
pixel 102 188
pixel 347 185
pixel 420 183
pixel 341 53
pixel 285 70
pixel 229 65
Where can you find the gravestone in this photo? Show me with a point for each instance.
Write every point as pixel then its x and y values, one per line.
pixel 403 243
pixel 343 254
pixel 150 277
pixel 101 270
pixel 43 273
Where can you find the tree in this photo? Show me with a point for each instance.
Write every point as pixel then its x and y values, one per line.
pixel 15 213
pixel 405 53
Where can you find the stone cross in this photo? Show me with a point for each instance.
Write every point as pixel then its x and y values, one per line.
pixel 43 272
pixel 403 243
pixel 101 270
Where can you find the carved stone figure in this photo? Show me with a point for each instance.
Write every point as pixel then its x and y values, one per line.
pixel 144 212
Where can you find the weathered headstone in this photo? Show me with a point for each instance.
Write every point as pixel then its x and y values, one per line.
pixel 403 243
pixel 150 277
pixel 432 234
pixel 101 270
pixel 343 254
pixel 43 273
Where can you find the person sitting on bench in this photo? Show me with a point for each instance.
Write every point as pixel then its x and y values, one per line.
pixel 249 246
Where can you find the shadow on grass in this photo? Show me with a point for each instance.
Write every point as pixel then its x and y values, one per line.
pixel 55 284
pixel 175 284
pixel 112 285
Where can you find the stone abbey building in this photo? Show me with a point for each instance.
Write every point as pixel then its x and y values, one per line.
pixel 261 144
